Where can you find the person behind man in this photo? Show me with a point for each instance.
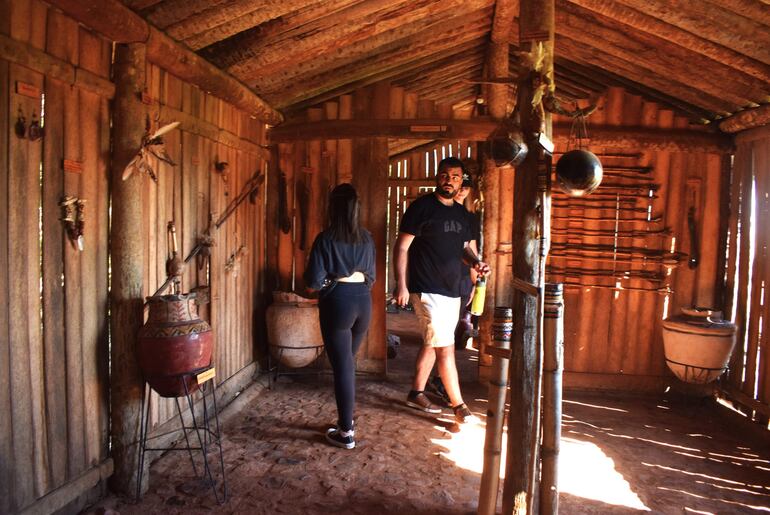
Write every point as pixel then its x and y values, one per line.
pixel 342 267
pixel 464 327
pixel 428 256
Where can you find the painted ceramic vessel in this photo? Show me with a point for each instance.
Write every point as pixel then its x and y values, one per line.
pixel 174 341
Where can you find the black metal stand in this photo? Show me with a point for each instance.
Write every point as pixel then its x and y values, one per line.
pixel 207 437
pixel 697 375
pixel 274 370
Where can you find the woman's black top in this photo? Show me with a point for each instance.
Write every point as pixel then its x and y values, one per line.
pixel 331 259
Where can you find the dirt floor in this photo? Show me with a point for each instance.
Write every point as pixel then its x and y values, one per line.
pixel 618 454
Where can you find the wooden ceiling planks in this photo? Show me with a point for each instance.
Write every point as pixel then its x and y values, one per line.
pixel 587 54
pixel 661 57
pixel 217 22
pixel 714 22
pixel 708 58
pixel 352 26
pixel 383 53
pixel 629 17
pixel 404 61
pixel 256 25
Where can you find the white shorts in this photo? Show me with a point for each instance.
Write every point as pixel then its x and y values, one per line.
pixel 438 316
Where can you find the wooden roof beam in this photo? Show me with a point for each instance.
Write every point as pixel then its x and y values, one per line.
pixel 643 22
pixel 498 55
pixel 748 119
pixel 118 23
pixel 479 129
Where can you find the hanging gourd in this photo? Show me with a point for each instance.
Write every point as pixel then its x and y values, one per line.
pixel 579 172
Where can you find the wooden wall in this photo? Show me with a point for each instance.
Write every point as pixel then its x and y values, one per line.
pixel 212 131
pixel 748 274
pixel 53 344
pixel 54 348
pixel 614 306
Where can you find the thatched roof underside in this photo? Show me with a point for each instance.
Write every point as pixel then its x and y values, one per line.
pixel 706 58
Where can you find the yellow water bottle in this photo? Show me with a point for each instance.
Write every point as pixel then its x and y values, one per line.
pixel 477 305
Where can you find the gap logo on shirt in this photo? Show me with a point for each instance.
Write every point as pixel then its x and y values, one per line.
pixel 453 226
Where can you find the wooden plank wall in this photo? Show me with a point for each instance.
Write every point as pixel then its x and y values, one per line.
pixel 748 380
pixel 191 191
pixel 613 336
pixel 53 348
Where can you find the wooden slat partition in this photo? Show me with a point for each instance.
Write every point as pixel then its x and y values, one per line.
pixel 748 380
pixel 54 350
pixel 187 194
pixel 54 345
pixel 616 332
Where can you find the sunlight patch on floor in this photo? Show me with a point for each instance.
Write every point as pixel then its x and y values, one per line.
pixel 465 447
pixel 585 471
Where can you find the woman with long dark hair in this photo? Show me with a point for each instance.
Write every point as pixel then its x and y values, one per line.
pixel 341 267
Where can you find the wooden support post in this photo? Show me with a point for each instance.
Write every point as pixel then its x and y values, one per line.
pixel 497 66
pixel 536 27
pixel 127 265
pixel 553 364
pixel 502 326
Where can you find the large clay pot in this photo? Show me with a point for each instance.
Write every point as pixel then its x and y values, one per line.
pixel 698 344
pixel 293 329
pixel 174 341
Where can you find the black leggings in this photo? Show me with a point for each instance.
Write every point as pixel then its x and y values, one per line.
pixel 345 313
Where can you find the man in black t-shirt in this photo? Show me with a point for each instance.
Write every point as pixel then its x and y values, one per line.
pixel 428 257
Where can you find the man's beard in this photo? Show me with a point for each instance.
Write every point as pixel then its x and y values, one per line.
pixel 447 194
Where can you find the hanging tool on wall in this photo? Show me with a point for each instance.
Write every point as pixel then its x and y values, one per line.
pixel 207 240
pixel 284 221
pixel 73 216
pixel 174 264
pixel 693 196
pixel 152 144
pixel 303 199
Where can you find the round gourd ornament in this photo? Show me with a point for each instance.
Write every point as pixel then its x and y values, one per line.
pixel 578 172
